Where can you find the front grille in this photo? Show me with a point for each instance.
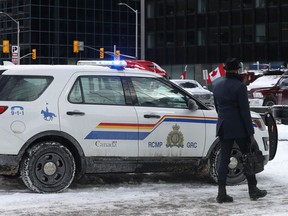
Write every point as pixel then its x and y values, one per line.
pixel 203 96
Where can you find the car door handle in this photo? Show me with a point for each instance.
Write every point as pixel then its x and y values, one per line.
pixel 75 113
pixel 151 116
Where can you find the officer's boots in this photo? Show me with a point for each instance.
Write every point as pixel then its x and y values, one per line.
pixel 255 193
pixel 222 195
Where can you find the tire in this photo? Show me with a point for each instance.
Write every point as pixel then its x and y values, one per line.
pixel 269 101
pixel 284 121
pixel 48 167
pixel 235 173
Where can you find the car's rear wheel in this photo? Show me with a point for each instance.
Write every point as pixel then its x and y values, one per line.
pixel 48 167
pixel 235 173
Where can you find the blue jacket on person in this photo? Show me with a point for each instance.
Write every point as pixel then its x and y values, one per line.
pixel 232 106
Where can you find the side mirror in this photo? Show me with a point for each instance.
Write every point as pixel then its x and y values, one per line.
pixel 192 105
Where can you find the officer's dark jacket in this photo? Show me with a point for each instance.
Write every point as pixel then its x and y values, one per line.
pixel 231 103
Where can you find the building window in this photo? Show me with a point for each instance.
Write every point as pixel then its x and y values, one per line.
pixel 191 6
pixel 284 2
pixel 272 2
pixel 284 31
pixel 224 35
pixel 180 38
pixel 150 40
pixel 212 5
pixel 236 35
pixel 170 39
pixel 159 6
pixel 273 32
pixel 181 7
pixel 190 38
pixel 224 5
pixel 201 6
pixel 247 34
pixel 260 3
pixel 247 3
pixel 170 8
pixel 213 36
pixel 236 4
pixel 160 39
pixel 150 10
pixel 260 33
pixel 201 38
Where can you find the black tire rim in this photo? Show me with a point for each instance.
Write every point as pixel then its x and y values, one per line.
pixel 235 167
pixel 270 103
pixel 50 168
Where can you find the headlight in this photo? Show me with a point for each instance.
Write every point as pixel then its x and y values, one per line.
pixel 259 123
pixel 257 95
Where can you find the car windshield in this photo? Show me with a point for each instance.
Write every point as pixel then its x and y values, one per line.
pixel 265 81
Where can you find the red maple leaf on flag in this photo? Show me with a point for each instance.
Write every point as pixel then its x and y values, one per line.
pixel 213 73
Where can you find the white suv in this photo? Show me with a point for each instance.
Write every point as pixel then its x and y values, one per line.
pixel 58 122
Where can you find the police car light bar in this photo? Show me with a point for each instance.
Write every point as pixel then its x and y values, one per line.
pixel 115 63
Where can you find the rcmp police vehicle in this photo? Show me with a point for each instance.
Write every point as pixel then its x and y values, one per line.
pixel 58 122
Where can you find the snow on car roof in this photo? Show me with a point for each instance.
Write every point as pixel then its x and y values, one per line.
pixel 265 81
pixel 186 83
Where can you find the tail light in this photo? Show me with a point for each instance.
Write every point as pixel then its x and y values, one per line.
pixel 259 123
pixel 3 109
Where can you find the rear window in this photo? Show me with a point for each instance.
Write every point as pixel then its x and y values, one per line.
pixel 22 88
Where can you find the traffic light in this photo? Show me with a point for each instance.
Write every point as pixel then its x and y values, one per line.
pixel 101 53
pixel 5 46
pixel 75 46
pixel 33 54
pixel 117 55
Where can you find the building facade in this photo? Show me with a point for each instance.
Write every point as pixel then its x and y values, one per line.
pixel 50 27
pixel 202 33
pixel 172 33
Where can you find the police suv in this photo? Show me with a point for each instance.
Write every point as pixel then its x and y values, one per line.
pixel 58 122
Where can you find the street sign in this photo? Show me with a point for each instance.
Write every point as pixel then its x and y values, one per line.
pixel 81 45
pixel 205 74
pixel 15 50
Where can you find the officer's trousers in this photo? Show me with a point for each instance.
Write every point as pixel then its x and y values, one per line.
pixel 226 148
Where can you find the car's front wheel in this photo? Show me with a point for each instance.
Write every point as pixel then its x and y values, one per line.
pixel 48 167
pixel 269 101
pixel 235 174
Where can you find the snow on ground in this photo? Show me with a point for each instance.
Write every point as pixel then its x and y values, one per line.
pixel 157 194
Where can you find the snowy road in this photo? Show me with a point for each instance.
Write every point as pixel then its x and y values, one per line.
pixel 152 195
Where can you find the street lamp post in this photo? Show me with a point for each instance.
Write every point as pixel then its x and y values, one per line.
pixel 18 36
pixel 136 28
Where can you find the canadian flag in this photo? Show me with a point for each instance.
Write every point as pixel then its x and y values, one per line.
pixel 183 76
pixel 218 72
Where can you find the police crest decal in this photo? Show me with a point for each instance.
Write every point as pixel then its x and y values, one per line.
pixel 175 137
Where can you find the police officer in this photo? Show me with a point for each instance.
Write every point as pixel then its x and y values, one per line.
pixel 234 125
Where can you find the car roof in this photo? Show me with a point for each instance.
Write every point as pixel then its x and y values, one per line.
pixel 70 69
pixel 183 80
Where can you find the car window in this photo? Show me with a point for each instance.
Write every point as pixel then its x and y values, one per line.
pixel 23 88
pixel 188 85
pixel 97 90
pixel 284 83
pixel 153 92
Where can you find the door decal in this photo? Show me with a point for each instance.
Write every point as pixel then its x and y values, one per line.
pixel 175 137
pixel 48 116
pixel 127 131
